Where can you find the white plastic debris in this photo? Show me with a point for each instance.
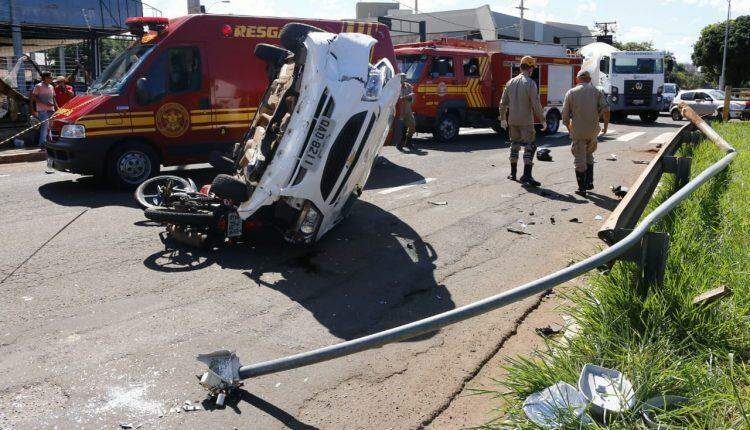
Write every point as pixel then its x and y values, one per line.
pixel 607 390
pixel 598 217
pixel 555 405
pixel 612 157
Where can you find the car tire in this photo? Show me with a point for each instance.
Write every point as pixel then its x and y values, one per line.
pixel 649 117
pixel 172 216
pixel 271 54
pixel 446 129
pixel 182 184
pixel 131 163
pixel 676 115
pixel 230 188
pixel 293 35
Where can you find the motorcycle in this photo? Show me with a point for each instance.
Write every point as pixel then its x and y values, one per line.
pixel 309 150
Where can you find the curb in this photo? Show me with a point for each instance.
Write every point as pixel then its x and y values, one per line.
pixel 25 156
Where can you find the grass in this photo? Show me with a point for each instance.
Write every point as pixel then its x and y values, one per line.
pixel 661 341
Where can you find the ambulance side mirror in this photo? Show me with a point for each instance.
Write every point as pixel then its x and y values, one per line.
pixel 142 94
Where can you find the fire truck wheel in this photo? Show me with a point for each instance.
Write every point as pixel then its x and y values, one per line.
pixel 293 35
pixel 553 122
pixel 447 129
pixel 132 163
pixel 499 130
pixel 271 54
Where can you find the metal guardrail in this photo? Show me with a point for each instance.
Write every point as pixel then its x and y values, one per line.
pixel 225 372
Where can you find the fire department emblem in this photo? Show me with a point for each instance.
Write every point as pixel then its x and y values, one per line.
pixel 638 86
pixel 441 89
pixel 172 120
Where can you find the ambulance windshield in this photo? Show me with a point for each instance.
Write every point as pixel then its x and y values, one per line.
pixel 412 66
pixel 116 74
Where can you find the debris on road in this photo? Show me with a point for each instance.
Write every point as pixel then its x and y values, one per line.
pixel 555 405
pixel 612 157
pixel 549 330
pixel 552 220
pixel 598 217
pixel 513 230
pixel 575 220
pixel 640 162
pixel 126 425
pixel 189 406
pixel 544 155
pixel 607 390
pixel 619 190
pixel 223 374
pixel 712 296
pixel 438 203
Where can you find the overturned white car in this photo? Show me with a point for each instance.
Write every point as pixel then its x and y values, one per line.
pixel 309 150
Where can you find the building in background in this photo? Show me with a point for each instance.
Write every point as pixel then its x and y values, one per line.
pixel 480 23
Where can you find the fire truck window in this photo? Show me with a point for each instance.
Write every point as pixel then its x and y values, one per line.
pixel 604 65
pixel 184 69
pixel 412 66
pixel 516 69
pixel 471 67
pixel 442 66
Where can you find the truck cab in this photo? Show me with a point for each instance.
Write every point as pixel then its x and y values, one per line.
pixel 186 87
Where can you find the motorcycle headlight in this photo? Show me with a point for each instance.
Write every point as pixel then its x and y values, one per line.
pixel 615 90
pixel 73 131
pixel 374 84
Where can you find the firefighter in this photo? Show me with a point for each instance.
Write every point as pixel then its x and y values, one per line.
pixel 583 106
pixel 407 117
pixel 519 106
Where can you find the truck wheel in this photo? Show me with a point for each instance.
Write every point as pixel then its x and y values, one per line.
pixel 131 164
pixel 271 54
pixel 293 35
pixel 499 130
pixel 447 129
pixel 676 115
pixel 553 122
pixel 649 117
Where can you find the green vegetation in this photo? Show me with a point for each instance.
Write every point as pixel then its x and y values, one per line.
pixel 661 341
pixel 709 49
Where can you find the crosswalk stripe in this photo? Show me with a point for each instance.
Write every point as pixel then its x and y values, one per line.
pixel 663 138
pixel 630 136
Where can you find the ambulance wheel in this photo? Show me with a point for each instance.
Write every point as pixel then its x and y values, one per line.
pixel 271 54
pixel 447 129
pixel 553 122
pixel 293 35
pixel 132 163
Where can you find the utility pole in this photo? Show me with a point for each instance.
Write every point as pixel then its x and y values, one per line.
pixel 726 40
pixel 416 6
pixel 520 21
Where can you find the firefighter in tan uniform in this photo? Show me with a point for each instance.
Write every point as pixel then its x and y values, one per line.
pixel 581 110
pixel 407 116
pixel 520 105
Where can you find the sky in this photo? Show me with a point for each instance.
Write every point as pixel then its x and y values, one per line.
pixel 672 25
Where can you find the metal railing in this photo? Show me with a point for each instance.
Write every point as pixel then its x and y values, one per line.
pixel 224 369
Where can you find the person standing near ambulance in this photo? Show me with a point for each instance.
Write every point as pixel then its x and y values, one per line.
pixel 583 106
pixel 407 116
pixel 519 106
pixel 43 104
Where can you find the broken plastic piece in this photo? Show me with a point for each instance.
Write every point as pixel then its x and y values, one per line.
pixel 657 404
pixel 607 389
pixel 223 373
pixel 555 405
pixel 549 330
pixel 612 157
pixel 543 155
pixel 619 190
pixel 440 203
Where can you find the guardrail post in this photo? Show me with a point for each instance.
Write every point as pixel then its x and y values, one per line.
pixel 650 254
pixel 680 166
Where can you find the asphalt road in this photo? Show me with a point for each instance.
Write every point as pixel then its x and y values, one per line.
pixel 99 324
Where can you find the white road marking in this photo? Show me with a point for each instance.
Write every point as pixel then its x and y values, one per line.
pixel 663 138
pixel 630 136
pixel 476 131
pixel 403 187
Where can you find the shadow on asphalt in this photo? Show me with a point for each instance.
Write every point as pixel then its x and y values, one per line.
pixel 387 174
pixel 464 143
pixel 554 195
pixel 602 201
pixel 370 273
pixel 87 192
pixel 241 395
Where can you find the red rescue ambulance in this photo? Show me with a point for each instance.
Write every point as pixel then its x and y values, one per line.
pixel 458 83
pixel 188 86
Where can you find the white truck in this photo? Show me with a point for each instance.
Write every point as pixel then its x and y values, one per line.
pixel 632 81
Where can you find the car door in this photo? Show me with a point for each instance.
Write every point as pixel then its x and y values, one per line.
pixel 703 104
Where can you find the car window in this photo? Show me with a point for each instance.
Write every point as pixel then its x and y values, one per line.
pixel 700 96
pixel 471 67
pixel 175 70
pixel 442 66
pixel 687 96
pixel 670 88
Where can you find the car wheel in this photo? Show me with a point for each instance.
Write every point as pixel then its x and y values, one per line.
pixel 553 122
pixel 649 117
pixel 293 35
pixel 271 54
pixel 131 164
pixel 676 115
pixel 447 129
pixel 230 188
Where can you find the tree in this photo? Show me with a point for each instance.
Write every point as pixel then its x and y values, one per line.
pixel 708 51
pixel 634 46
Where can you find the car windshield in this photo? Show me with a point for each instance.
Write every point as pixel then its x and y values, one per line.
pixel 412 66
pixel 719 95
pixel 638 65
pixel 670 88
pixel 113 78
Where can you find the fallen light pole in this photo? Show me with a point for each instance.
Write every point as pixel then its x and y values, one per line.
pixel 225 372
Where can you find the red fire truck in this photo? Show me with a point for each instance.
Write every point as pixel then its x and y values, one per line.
pixel 458 83
pixel 188 86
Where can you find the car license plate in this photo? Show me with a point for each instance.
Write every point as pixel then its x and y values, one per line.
pixel 234 225
pixel 50 163
pixel 638 102
pixel 318 141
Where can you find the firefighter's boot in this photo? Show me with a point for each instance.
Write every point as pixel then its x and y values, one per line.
pixel 513 171
pixel 527 179
pixel 581 179
pixel 589 176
